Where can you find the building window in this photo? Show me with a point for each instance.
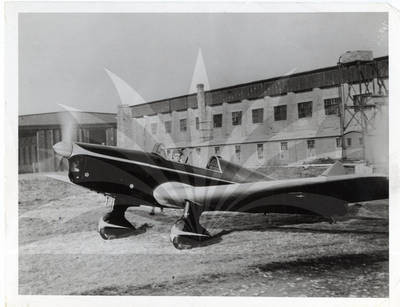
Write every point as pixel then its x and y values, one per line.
pixel 280 112
pixel 258 116
pixel 283 155
pixel 338 142
pixel 154 128
pixel 361 141
pixel 197 123
pixel 216 150
pixel 260 151
pixel 310 144
pixel 304 109
pixel 183 124
pixel 236 118
pixel 198 150
pixel 237 151
pixel 168 126
pixel 332 106
pixel 348 141
pixel 217 120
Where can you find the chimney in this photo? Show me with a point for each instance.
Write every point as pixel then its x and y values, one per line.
pixel 204 114
pixel 124 125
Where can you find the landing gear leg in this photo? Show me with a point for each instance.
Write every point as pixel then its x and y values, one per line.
pixel 114 224
pixel 187 231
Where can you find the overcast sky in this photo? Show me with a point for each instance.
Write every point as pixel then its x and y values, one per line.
pixel 63 57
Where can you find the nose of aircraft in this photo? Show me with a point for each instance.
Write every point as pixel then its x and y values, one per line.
pixel 63 148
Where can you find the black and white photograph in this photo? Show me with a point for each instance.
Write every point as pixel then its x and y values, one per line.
pixel 203 154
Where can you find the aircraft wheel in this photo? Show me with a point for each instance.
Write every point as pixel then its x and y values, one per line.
pixel 178 244
pixel 104 235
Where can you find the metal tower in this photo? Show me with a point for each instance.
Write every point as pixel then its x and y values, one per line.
pixel 362 93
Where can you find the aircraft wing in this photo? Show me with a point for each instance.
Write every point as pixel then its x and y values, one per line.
pixel 323 195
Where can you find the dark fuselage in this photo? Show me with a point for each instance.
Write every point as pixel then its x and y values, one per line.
pixel 132 176
pixel 135 174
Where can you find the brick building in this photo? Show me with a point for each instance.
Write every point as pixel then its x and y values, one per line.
pixel 277 121
pixel 39 132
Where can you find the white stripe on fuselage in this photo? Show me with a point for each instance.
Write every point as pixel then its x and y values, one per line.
pixel 78 150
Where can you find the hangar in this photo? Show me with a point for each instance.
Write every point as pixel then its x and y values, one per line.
pixel 328 113
pixel 39 132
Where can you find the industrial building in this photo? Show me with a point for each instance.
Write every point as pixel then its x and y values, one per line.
pixel 39 132
pixel 334 112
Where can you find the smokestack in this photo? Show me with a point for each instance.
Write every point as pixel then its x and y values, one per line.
pixel 124 125
pixel 204 114
pixel 201 101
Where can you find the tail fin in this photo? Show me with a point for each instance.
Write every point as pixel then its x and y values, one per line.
pixel 334 170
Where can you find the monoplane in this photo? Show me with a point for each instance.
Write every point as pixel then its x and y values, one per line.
pixel 135 178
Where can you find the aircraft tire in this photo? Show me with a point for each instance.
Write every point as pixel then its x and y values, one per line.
pixel 104 235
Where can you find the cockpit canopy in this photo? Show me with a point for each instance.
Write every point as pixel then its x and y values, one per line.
pixel 229 170
pixel 159 149
pixel 213 164
pixel 234 172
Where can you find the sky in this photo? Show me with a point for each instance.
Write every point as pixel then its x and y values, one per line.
pixel 66 58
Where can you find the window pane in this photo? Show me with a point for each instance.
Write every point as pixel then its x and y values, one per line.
pixel 197 123
pixel 332 106
pixel 182 124
pixel 237 118
pixel 217 120
pixel 237 151
pixel 280 112
pixel 260 151
pixel 310 144
pixel 154 128
pixel 258 116
pixel 304 109
pixel 168 126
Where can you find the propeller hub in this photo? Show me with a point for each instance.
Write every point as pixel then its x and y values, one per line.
pixel 63 149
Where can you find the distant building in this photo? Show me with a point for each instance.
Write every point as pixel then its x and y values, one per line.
pixel 276 121
pixel 39 132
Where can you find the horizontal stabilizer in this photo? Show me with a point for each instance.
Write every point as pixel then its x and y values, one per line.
pixel 335 169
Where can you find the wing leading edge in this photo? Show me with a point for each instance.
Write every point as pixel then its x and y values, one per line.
pixel 323 195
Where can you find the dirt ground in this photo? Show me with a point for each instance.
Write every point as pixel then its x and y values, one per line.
pixel 61 253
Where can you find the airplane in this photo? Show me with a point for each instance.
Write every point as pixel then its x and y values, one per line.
pixel 134 178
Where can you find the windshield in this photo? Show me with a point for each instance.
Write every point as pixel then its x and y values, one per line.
pixel 159 149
